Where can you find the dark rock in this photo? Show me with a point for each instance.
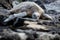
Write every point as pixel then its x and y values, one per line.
pixel 48 1
pixel 28 36
pixel 6 4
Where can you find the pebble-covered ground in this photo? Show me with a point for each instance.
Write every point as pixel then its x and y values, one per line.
pixel 43 30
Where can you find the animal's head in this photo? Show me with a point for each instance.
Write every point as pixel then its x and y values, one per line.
pixel 36 15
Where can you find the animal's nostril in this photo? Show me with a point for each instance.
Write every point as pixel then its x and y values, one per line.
pixel 34 16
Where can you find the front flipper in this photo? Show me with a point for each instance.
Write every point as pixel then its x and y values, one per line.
pixel 48 16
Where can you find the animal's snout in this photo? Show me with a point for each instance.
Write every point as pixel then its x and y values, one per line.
pixel 35 15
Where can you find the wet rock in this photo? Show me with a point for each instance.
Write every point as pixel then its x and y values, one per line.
pixel 28 36
pixel 53 6
pixel 44 1
pixel 6 4
pixel 32 31
pixel 48 1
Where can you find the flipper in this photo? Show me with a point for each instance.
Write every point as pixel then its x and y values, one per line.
pixel 48 16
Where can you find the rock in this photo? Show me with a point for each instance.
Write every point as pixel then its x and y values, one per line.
pixel 53 6
pixel 28 36
pixel 6 4
pixel 35 26
pixel 48 1
pixel 46 30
